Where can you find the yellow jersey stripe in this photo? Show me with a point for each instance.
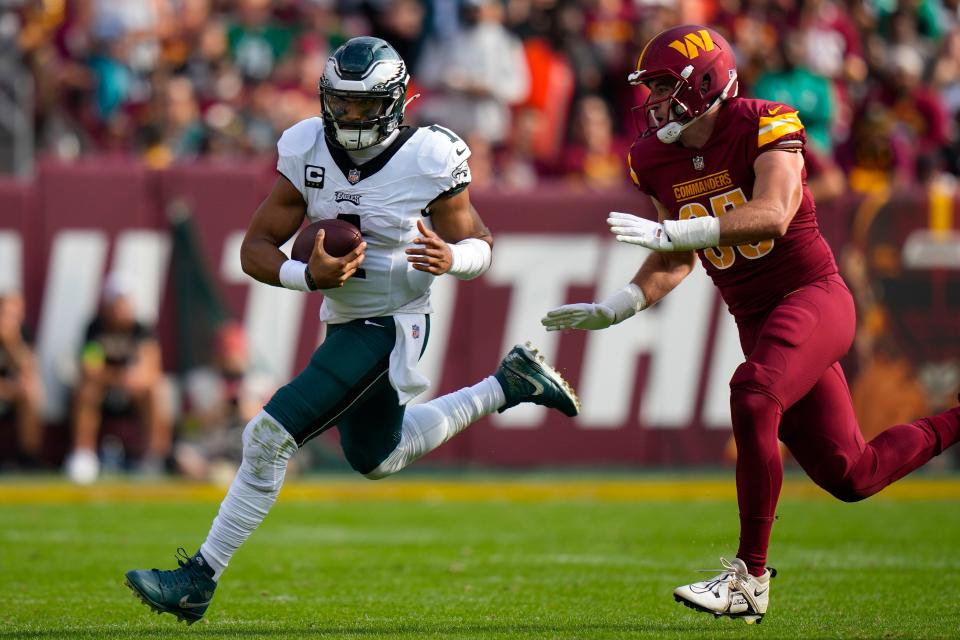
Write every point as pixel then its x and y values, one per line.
pixel 777 126
pixel 633 174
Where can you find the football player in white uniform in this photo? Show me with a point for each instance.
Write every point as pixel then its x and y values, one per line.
pixel 406 190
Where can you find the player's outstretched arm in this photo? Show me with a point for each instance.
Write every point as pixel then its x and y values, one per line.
pixel 277 218
pixel 459 243
pixel 657 276
pixel 661 272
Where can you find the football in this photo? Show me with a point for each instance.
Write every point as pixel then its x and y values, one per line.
pixel 341 238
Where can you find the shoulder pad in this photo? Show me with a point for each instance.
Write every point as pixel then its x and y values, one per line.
pixel 300 138
pixel 644 151
pixel 439 150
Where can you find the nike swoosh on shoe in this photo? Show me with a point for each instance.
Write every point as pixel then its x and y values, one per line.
pixel 186 604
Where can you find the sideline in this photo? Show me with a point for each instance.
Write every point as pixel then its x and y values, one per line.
pixel 445 489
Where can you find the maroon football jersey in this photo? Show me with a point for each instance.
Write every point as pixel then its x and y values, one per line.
pixel 719 177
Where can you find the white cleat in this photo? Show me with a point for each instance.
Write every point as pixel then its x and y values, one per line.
pixel 734 593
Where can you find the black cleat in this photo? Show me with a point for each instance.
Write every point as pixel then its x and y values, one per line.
pixel 525 377
pixel 184 592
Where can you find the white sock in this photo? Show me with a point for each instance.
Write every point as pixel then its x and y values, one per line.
pixel 426 426
pixel 267 447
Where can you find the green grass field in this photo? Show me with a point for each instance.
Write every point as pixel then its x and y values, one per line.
pixel 506 558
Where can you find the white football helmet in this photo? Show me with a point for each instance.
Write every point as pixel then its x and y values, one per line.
pixel 363 92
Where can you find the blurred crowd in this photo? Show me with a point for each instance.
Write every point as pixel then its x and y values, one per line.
pixel 126 413
pixel 537 87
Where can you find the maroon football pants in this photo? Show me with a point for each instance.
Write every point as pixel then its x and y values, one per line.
pixel 791 387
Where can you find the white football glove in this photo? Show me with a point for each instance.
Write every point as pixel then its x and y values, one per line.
pixel 596 315
pixel 670 235
pixel 582 315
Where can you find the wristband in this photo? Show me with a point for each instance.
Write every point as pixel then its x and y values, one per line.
pixel 311 283
pixel 470 258
pixel 626 302
pixel 293 275
pixel 693 233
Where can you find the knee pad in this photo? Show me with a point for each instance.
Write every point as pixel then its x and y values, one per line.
pixel 267 447
pixel 847 490
pixel 755 412
pixel 424 428
pixel 751 376
pixel 749 404
pixel 751 388
pixel 367 456
pixel 363 463
pixel 378 473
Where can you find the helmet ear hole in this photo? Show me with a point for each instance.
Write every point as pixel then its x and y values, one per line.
pixel 705 84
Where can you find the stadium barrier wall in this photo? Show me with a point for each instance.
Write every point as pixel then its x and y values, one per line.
pixel 655 390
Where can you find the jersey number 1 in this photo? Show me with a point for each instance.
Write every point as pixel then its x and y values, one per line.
pixel 450 134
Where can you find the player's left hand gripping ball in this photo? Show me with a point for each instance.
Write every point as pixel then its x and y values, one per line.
pixel 636 230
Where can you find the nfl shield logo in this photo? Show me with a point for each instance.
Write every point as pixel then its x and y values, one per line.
pixel 698 163
pixel 354 176
pixel 415 331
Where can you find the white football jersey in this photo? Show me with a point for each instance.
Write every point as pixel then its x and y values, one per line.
pixel 384 197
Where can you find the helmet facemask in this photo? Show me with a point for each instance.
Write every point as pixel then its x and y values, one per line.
pixel 679 114
pixel 645 115
pixel 361 119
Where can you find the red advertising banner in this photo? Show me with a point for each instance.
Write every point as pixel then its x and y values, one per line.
pixel 654 389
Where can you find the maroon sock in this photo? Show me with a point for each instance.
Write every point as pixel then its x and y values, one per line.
pixel 756 417
pixel 754 537
pixel 947 427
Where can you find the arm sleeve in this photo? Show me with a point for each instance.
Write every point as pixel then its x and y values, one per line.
pixel 458 179
pixel 780 129
pixel 291 149
pixel 292 170
pixel 444 157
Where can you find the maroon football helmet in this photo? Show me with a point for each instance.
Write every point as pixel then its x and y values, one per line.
pixel 701 64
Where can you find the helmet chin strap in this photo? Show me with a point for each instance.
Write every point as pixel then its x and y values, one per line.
pixel 670 132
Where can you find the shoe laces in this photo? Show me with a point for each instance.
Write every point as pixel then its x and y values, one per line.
pixel 516 377
pixel 184 576
pixel 728 574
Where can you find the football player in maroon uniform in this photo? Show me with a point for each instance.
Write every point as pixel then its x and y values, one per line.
pixel 727 177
